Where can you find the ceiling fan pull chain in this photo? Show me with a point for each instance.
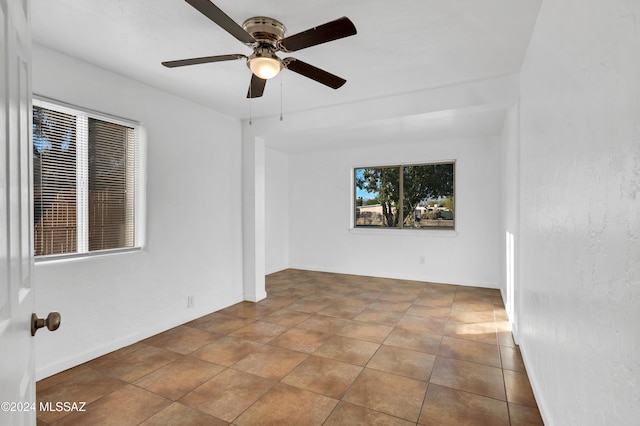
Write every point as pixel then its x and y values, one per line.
pixel 281 97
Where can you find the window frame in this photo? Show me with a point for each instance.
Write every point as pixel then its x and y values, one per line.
pixel 440 230
pixel 82 173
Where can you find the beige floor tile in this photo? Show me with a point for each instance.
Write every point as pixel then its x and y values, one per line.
pixel 366 294
pixel 179 377
pixel 469 377
pixel 404 286
pixel 87 386
pixel 375 333
pixel 226 350
pixel 129 405
pixel 429 312
pixel 505 337
pixel 522 415
pixel 480 332
pixel 56 379
pixel 360 302
pixel 286 317
pixel 178 414
pixel 471 316
pixel 404 362
pixel 228 394
pixel 414 340
pixel 376 316
pixel 309 306
pixel 299 339
pixel 480 305
pixel 518 388
pixel 270 362
pixel 259 331
pixel 324 376
pixel 352 351
pixel 324 324
pixel 341 311
pixel 354 415
pixel 182 339
pixel 218 322
pixel 287 405
pixel 108 358
pixel 422 324
pixel 399 297
pixel 387 305
pixel 511 358
pixel 469 350
pixel 249 310
pixel 138 363
pixel 445 406
pixel 435 299
pixel 278 302
pixel 388 393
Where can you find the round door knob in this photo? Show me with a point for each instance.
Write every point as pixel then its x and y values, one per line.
pixel 52 322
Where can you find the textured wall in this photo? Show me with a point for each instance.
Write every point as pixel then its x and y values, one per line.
pixel 580 212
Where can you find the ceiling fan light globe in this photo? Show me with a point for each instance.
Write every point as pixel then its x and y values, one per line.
pixel 265 67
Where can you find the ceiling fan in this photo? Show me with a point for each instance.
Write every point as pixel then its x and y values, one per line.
pixel 266 36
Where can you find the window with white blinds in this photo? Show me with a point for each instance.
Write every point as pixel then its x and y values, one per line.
pixel 84 181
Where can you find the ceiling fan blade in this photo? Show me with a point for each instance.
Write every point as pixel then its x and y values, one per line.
pixel 256 87
pixel 214 13
pixel 202 60
pixel 314 73
pixel 334 30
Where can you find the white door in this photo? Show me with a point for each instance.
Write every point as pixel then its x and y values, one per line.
pixel 17 378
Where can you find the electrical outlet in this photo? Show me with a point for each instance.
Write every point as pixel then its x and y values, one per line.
pixel 190 301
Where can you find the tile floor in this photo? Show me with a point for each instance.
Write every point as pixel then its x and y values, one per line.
pixel 320 349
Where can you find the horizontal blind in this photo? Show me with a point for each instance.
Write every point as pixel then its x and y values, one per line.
pixel 54 181
pixel 111 185
pixel 85 180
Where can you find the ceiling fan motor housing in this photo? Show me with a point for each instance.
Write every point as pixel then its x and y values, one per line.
pixel 264 62
pixel 267 31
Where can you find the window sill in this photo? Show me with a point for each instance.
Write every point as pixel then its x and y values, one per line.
pixel 57 258
pixel 442 233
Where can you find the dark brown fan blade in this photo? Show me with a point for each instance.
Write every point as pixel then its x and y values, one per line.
pixel 314 73
pixel 256 87
pixel 202 60
pixel 334 30
pixel 212 12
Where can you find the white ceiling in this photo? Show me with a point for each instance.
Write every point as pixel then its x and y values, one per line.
pixel 402 46
pixel 438 126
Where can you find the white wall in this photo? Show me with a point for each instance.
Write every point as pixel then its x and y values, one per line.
pixel 193 222
pixel 431 125
pixel 321 199
pixel 276 210
pixel 579 295
pixel 510 231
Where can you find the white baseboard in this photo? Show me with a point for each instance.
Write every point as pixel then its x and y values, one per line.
pixel 398 276
pixel 276 269
pixel 42 372
pixel 535 386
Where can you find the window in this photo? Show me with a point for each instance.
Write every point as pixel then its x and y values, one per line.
pixel 416 196
pixel 84 181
